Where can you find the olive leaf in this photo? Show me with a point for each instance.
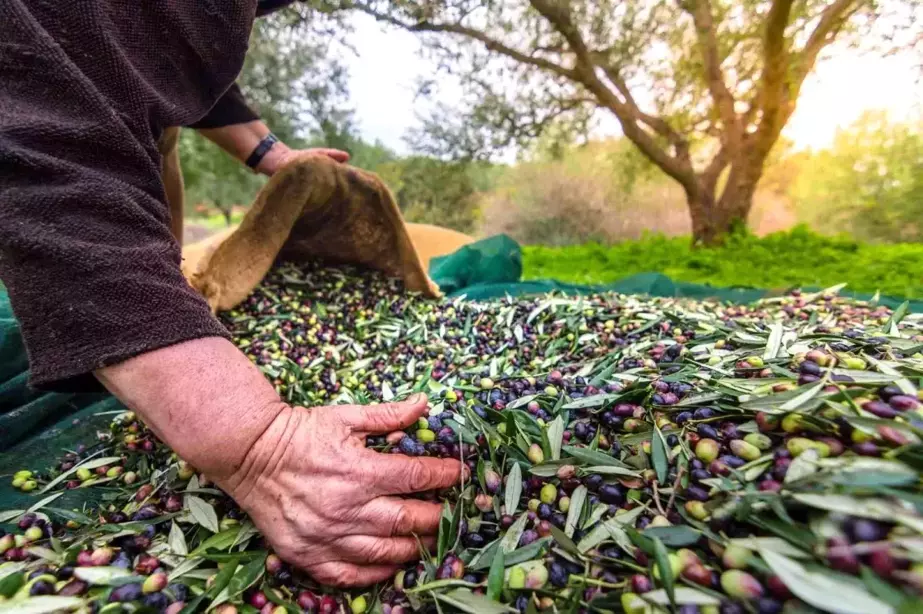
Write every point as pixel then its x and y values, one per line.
pixel 556 437
pixel 659 454
pixel 485 558
pixel 821 589
pixel 11 578
pixel 522 401
pixel 9 515
pixel 46 553
pixel 804 465
pixel 246 576
pixel 682 595
pixel 662 560
pixel 564 541
pixel 592 401
pixel 807 393
pixel 511 539
pixel 774 342
pixel 609 528
pixel 89 463
pixel 467 601
pixel 39 505
pixel 896 316
pixel 592 457
pixel 774 544
pixel 203 513
pixel 45 604
pixel 547 469
pixel 495 577
pixel 577 500
pixel 177 541
pixel 513 490
pixel 881 589
pixel 610 470
pixel 676 536
pixel 106 576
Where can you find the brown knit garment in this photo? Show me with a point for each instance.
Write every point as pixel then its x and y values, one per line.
pixel 86 87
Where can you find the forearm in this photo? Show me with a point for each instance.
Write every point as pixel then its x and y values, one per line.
pixel 204 398
pixel 239 140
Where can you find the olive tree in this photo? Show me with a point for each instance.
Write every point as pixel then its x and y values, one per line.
pixel 703 88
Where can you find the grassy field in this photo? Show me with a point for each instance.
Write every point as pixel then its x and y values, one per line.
pixel 795 258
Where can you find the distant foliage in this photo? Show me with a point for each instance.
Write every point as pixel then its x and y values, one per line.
pixel 432 191
pixel 869 183
pixel 777 261
pixel 602 191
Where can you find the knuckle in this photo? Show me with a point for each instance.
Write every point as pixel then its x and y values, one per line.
pixel 326 573
pixel 402 523
pixel 419 476
pixel 377 551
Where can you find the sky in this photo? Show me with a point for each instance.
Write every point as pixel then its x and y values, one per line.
pixel 389 61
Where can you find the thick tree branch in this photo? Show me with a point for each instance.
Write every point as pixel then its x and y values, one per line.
pixel 702 18
pixel 714 169
pixel 772 98
pixel 629 116
pixel 657 124
pixel 831 21
pixel 489 43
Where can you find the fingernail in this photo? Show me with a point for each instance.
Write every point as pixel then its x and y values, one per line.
pixel 417 398
pixel 466 472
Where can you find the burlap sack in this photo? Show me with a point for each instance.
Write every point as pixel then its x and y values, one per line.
pixel 315 208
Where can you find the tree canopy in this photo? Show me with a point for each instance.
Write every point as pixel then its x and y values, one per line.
pixel 703 88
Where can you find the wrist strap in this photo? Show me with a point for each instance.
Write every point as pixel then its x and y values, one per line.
pixel 261 150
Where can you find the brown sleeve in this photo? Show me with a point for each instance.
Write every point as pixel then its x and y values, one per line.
pixel 85 246
pixel 230 109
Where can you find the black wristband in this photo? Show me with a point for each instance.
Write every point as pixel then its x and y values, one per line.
pixel 261 150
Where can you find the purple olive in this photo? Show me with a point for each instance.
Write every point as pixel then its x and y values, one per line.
pixel 902 402
pixel 882 410
pixel 126 593
pixel 612 494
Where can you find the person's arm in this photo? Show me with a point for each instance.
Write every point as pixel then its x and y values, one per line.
pixel 86 252
pixel 93 275
pixel 237 129
pixel 325 502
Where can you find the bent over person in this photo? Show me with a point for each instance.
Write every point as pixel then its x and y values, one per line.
pixel 87 90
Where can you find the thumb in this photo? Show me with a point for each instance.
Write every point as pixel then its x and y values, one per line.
pixel 384 418
pixel 336 154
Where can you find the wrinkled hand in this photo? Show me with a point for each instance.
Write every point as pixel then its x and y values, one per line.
pixel 281 154
pixel 329 505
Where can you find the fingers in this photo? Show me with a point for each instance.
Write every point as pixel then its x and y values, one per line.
pixel 348 574
pixel 367 549
pixel 383 418
pixel 396 474
pixel 393 516
pixel 336 154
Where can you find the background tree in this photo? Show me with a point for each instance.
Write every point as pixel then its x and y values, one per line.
pixel 294 79
pixel 869 183
pixel 702 87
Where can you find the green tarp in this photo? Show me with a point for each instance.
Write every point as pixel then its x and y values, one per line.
pixel 492 268
pixel 35 427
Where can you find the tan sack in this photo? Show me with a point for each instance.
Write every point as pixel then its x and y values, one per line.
pixel 313 208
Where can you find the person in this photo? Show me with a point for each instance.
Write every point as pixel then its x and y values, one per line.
pixel 92 268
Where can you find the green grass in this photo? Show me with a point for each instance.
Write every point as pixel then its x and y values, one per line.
pixel 781 260
pixel 215 221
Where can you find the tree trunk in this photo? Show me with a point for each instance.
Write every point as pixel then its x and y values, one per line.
pixel 226 212
pixel 713 218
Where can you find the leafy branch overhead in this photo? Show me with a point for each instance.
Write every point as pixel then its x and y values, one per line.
pixel 702 88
